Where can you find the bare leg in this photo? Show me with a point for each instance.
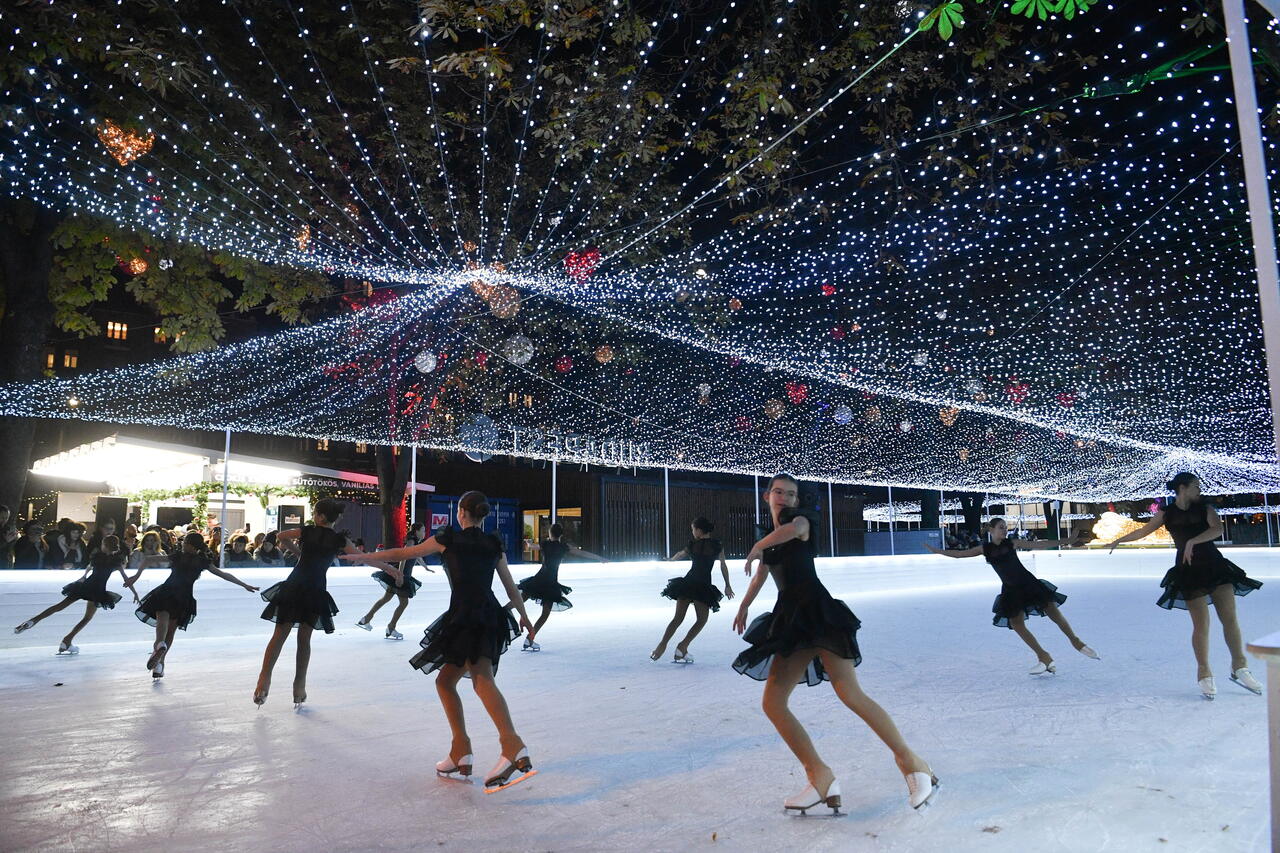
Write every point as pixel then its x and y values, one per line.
pixel 701 611
pixel 1019 625
pixel 542 619
pixel 1056 617
pixel 682 607
pixel 377 605
pixel 485 687
pixel 162 627
pixel 784 675
pixel 1199 610
pixel 49 611
pixel 447 689
pixel 89 610
pixel 844 680
pixel 269 657
pixel 395 617
pixel 1224 601
pixel 302 661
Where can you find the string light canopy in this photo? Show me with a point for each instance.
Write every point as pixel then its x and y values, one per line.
pixel 965 305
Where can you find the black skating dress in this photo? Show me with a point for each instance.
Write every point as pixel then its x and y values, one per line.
pixel 94 587
pixel 475 626
pixel 1207 570
pixel 545 587
pixel 806 616
pixel 696 584
pixel 1020 591
pixel 301 598
pixel 411 584
pixel 176 595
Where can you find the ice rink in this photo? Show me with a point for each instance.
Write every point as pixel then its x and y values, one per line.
pixel 1121 754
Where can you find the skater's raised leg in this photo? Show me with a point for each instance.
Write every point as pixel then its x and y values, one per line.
pixel 682 607
pixel 784 675
pixel 49 611
pixel 844 679
pixel 377 605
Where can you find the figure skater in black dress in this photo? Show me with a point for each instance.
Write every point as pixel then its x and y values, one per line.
pixel 808 638
pixel 91 588
pixel 172 605
pixel 694 588
pixel 544 587
pixel 1022 594
pixel 405 589
pixel 302 598
pixel 470 637
pixel 1201 576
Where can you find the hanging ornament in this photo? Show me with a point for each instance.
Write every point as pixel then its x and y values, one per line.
pixel 469 247
pixel 604 354
pixel 855 327
pixel 797 392
pixel 1016 391
pixel 564 364
pixel 843 415
pixel 828 290
pixel 963 453
pixel 774 408
pixel 425 361
pixel 735 304
pixel 948 415
pixel 166 264
pixel 838 333
pixel 1066 399
pixel 682 296
pixel 481 288
pixel 743 423
pixel 133 266
pixel 517 349
pixel 973 386
pixel 941 315
pixel 482 359
pixel 872 414
pixel 303 237
pixel 124 145
pixel 906 426
pixel 504 302
pixel 920 359
pixel 580 265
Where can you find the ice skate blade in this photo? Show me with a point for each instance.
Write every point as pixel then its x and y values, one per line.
pixel 455 777
pixel 510 782
pixel 69 652
pixel 1257 692
pixel 798 811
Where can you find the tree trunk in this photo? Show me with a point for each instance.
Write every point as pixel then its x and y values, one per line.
pixel 393 479
pixel 26 257
pixel 971 506
pixel 1050 521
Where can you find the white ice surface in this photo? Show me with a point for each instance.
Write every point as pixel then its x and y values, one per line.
pixel 1120 754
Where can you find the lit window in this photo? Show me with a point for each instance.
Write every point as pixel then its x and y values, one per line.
pixel 117 331
pixel 160 336
pixel 71 358
pixel 48 361
pixel 361 447
pixel 322 444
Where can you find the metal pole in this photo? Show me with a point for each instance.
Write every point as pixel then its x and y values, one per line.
pixel 755 479
pixel 413 488
pixel 666 509
pixel 1255 174
pixel 222 521
pixel 1266 516
pixel 831 518
pixel 892 549
pixel 553 491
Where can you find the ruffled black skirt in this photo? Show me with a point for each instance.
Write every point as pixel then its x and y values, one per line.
pixel 804 618
pixel 464 635
pixel 290 602
pixel 1029 598
pixel 178 602
pixel 545 590
pixel 1185 582
pixel 704 593
pixel 85 591
pixel 409 590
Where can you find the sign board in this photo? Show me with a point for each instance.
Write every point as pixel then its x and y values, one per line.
pixel 439 519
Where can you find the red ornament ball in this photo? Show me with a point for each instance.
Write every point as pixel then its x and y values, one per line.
pixel 564 364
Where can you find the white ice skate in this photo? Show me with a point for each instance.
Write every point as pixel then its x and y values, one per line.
pixel 508 772
pixel 682 657
pixel 24 626
pixel 447 769
pixel 920 788
pixel 1041 668
pixel 1208 687
pixel 365 625
pixel 1245 679
pixel 1089 653
pixel 810 798
pixel 158 670
pixel 530 646
pixel 65 648
pixel 393 634
pixel 157 654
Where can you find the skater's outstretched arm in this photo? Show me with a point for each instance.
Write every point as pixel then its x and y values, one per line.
pixel 513 593
pixel 287 540
pixel 967 552
pixel 682 554
pixel 1042 544
pixel 1150 527
pixel 227 576
pixel 724 569
pixel 376 560
pixel 585 555
pixel 753 589
pixel 394 555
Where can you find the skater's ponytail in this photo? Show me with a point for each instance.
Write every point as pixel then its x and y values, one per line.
pixel 1180 481
pixel 329 508
pixel 196 541
pixel 704 524
pixel 557 530
pixel 475 504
